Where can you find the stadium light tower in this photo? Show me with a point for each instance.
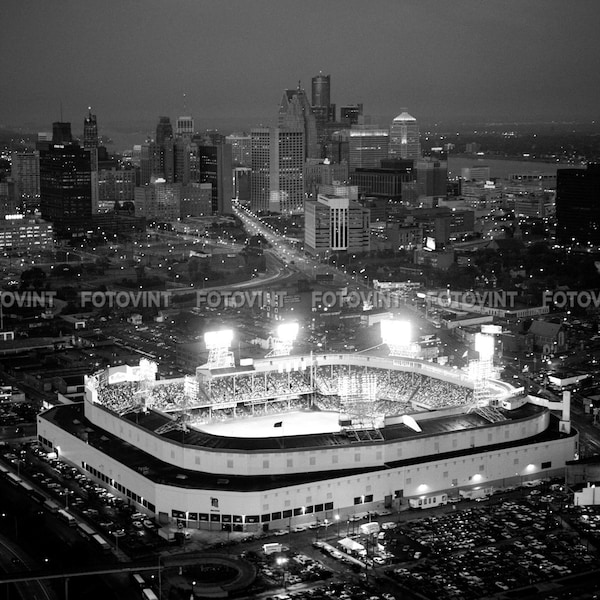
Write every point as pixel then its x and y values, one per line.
pixel 217 344
pixel 398 336
pixel 147 370
pixel 482 370
pixel 284 340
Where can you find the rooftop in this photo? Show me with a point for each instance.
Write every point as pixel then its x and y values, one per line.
pixel 70 417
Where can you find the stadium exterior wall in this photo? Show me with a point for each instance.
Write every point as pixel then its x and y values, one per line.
pixel 314 459
pixel 344 495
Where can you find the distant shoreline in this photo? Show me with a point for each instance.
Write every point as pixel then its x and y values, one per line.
pixel 515 158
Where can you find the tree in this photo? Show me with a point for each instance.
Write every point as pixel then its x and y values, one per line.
pixel 33 278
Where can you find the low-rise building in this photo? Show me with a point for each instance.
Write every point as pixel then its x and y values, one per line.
pixel 25 234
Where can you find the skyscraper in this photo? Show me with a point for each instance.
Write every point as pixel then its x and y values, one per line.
pixel 360 146
pixel 323 109
pixel 90 130
pixel 335 223
pixel 184 126
pixel 90 143
pixel 432 177
pixel 295 113
pixel 164 130
pixel 277 183
pixel 61 133
pixel 404 137
pixel 25 170
pixel 65 183
pixel 321 91
pixel 151 162
pixel 215 168
pixel 158 201
pixel 350 114
pixel 241 149
pixel 578 205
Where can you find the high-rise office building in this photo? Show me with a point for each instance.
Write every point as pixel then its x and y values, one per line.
pixel 578 205
pixel 90 131
pixel 241 184
pixel 277 182
pixel 184 126
pixel 318 172
pixel 335 224
pixel 151 162
pixel 385 182
pixel 432 177
pixel 196 200
pixel 25 171
pixel 65 183
pixel 323 109
pixel 215 168
pixel 241 149
pixel 9 198
pixel 61 133
pixel 164 130
pixel 351 114
pixel 295 112
pixel 90 143
pixel 404 137
pixel 158 201
pixel 115 185
pixel 360 146
pixel 321 90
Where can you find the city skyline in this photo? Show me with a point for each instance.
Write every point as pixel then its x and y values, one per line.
pixel 231 61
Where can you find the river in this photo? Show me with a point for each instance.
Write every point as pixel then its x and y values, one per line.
pixel 503 168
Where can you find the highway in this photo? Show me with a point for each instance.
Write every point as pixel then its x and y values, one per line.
pixel 12 560
pixel 291 258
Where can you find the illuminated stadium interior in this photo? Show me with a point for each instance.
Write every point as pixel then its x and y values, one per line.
pixel 300 431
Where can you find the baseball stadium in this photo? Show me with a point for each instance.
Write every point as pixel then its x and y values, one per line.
pixel 292 439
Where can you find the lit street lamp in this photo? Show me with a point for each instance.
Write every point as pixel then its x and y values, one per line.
pixel 281 563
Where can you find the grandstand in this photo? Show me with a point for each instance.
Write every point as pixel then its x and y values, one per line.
pixel 300 437
pixel 363 394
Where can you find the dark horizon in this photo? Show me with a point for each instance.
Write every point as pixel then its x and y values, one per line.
pixel 444 62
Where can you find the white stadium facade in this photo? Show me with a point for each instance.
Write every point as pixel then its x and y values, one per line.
pixel 295 439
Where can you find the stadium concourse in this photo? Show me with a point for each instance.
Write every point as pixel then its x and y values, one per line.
pixel 300 438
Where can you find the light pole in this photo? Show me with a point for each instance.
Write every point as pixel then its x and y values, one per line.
pixel 282 562
pixel 159 580
pixel 337 520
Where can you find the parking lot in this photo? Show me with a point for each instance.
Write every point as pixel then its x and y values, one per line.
pixel 512 540
pixel 485 550
pixel 132 532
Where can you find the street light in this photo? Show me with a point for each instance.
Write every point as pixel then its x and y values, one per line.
pixel 281 563
pixel 337 520
pixel 159 579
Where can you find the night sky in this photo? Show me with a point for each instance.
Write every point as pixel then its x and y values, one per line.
pixel 133 60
